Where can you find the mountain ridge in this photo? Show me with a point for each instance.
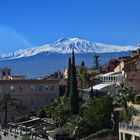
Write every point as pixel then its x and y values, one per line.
pixel 65 45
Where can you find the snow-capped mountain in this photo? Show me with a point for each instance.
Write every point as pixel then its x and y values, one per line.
pixel 65 45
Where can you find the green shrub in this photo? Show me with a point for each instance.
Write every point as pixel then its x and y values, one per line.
pixel 22 118
pixel 50 127
pixel 42 113
pixel 26 138
pixel 59 131
pixel 41 132
pixel 137 99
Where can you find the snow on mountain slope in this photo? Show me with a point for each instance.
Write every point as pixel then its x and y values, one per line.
pixel 65 45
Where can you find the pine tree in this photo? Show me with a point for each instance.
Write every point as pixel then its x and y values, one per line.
pixel 74 96
pixel 67 91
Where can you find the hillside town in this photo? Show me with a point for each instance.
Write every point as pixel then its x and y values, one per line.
pixel 84 103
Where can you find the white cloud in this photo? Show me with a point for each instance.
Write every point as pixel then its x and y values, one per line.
pixel 11 40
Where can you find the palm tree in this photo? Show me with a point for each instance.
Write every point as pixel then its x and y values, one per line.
pixel 50 110
pixel 83 77
pixel 62 111
pixel 7 101
pixel 75 124
pixel 122 96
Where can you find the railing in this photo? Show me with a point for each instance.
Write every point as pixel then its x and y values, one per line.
pixel 129 126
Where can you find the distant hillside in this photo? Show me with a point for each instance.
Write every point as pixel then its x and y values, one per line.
pixel 43 64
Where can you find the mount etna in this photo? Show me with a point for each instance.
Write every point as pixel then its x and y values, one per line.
pixel 45 59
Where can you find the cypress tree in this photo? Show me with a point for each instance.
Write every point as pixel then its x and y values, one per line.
pixel 74 96
pixel 67 91
pixel 96 61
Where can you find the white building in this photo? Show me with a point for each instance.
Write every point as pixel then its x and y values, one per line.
pixel 112 77
pixel 107 86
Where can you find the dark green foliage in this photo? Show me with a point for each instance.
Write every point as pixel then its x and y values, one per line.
pixel 116 121
pixel 123 95
pixel 59 133
pixel 83 77
pixel 22 118
pixel 67 91
pixel 137 99
pixel 42 113
pixel 74 95
pixel 61 114
pixel 6 102
pixel 78 127
pixel 41 132
pixel 26 138
pixel 50 110
pixel 99 113
pixel 50 127
pixel 91 93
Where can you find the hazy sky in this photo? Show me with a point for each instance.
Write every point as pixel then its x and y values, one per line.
pixel 25 23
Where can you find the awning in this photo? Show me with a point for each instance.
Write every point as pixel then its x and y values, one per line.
pixel 111 73
pixel 101 87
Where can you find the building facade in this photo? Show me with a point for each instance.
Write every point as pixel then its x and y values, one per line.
pixel 33 94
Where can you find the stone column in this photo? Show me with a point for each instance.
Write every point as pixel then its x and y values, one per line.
pixel 120 137
pixel 123 136
pixel 133 137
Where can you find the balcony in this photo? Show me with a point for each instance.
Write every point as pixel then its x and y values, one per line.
pixel 133 130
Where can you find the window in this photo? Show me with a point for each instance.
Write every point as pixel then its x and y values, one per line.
pixel 32 87
pixel 46 101
pixel 21 89
pixel 114 79
pixel 9 73
pixel 42 101
pixel 12 89
pixel 32 102
pixel 40 88
pixel 47 87
pixel 21 102
pixel 52 88
pixel 52 100
pixel 12 118
pixel 111 79
pixel 4 74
